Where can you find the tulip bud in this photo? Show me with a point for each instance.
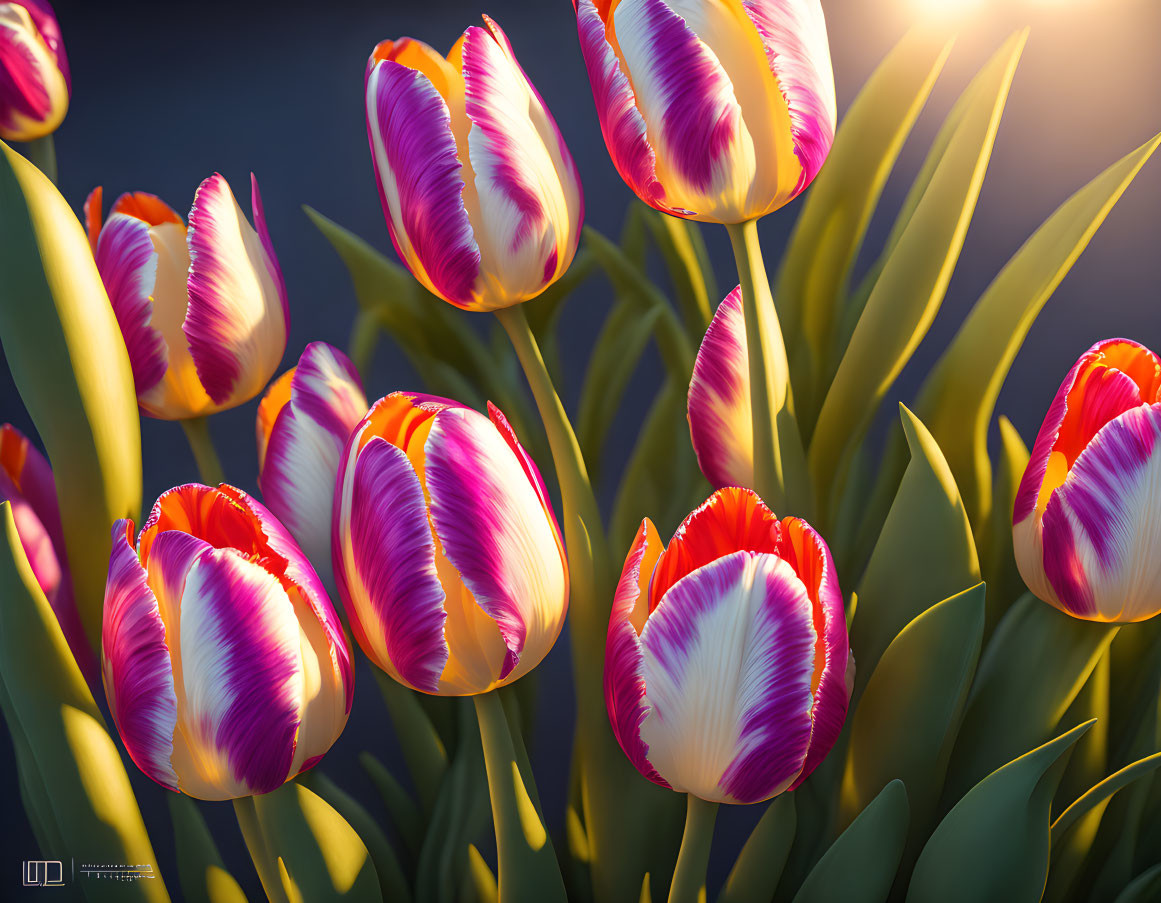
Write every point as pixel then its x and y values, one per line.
pixel 203 310
pixel 1086 528
pixel 447 554
pixel 719 112
pixel 224 662
pixel 727 668
pixel 304 420
pixel 482 199
pixel 34 73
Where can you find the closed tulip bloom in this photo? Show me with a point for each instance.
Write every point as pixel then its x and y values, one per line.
pixel 482 199
pixel 714 110
pixel 1086 526
pixel 727 668
pixel 447 554
pixel 34 73
pixel 304 420
pixel 225 665
pixel 203 309
pixel 26 483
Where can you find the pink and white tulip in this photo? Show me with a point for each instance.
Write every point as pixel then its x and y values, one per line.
pixel 202 309
pixel 224 662
pixel 34 72
pixel 304 421
pixel 482 199
pixel 447 554
pixel 1087 518
pixel 714 111
pixel 727 667
pixel 27 484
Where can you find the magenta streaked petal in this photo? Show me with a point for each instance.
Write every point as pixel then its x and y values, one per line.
pixel 268 248
pixel 530 469
pixel 421 181
pixel 136 664
pixel 34 88
pixel 46 24
pixel 728 664
pixel 127 262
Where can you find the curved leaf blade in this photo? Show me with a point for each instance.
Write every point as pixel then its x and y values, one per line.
pixel 754 877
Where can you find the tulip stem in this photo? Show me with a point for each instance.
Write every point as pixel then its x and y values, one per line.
pixel 780 475
pixel 41 152
pixel 689 875
pixel 264 863
pixel 527 866
pixel 197 432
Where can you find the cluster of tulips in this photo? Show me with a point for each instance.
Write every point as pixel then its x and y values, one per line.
pixel 726 658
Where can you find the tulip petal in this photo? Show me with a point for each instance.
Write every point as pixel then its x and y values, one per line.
pixel 530 470
pixel 728 664
pixel 137 671
pixel 148 208
pixel 34 90
pixel 274 399
pixel 94 215
pixel 236 322
pixel 127 263
pixel 421 182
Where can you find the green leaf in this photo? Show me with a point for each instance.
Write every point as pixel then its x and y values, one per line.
pixel 997 558
pixel 70 765
pixel 1089 762
pixel 909 715
pixel 959 396
pixel 422 748
pixel 915 276
pixel 483 881
pixel 200 870
pixel 925 552
pixel 1101 793
pixel 69 363
pixel 1031 671
pixel 994 844
pixel 683 247
pixel 1145 888
pixel 755 874
pixel 830 230
pixel 860 865
pixel 398 802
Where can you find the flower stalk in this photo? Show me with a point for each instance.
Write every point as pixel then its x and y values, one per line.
pixel 197 433
pixel 689 876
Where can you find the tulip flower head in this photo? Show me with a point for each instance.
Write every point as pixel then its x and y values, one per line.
pixel 714 111
pixel 34 73
pixel 202 309
pixel 447 554
pixel 727 668
pixel 26 483
pixel 304 421
pixel 1086 527
pixel 482 199
pixel 225 665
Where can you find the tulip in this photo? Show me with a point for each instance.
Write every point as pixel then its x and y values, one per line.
pixel 34 73
pixel 719 112
pixel 1086 529
pixel 304 420
pixel 203 310
pixel 26 482
pixel 727 666
pixel 446 551
pixel 224 662
pixel 482 199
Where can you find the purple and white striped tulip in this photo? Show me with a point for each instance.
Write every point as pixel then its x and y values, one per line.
pixel 482 199
pixel 34 72
pixel 714 111
pixel 1087 519
pixel 203 310
pixel 727 667
pixel 224 662
pixel 447 554
pixel 304 420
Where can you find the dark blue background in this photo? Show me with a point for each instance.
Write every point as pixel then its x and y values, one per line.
pixel 167 93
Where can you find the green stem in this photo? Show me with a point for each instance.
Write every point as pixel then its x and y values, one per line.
pixel 527 867
pixel 264 863
pixel 779 461
pixel 197 432
pixel 42 153
pixel 689 876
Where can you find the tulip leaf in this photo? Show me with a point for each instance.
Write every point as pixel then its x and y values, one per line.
pixel 70 765
pixel 1089 762
pixel 915 275
pixel 830 230
pixel 860 865
pixel 687 259
pixel 997 557
pixel 755 874
pixel 200 869
pixel 1102 792
pixel 398 802
pixel 70 365
pixel 422 748
pixel 908 717
pixel 925 552
pixel 483 881
pixel 994 844
pixel 1032 669
pixel 1145 888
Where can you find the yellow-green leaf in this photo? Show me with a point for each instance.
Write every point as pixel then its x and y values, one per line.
pixel 200 870
pixel 997 558
pixel 683 247
pixel 755 874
